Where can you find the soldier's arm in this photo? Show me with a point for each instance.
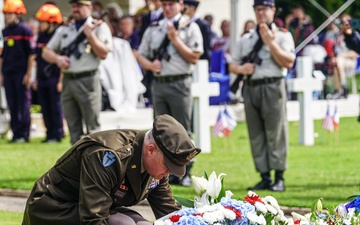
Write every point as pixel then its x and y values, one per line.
pixel 100 48
pixel 154 66
pixel 185 51
pixel 62 61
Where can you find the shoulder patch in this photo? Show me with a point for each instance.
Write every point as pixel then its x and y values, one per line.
pixel 109 158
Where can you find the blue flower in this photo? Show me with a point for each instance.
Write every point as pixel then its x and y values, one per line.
pixel 239 206
pixel 191 220
pixel 354 204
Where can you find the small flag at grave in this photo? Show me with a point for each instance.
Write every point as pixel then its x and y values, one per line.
pixel 328 122
pixel 336 119
pixel 224 123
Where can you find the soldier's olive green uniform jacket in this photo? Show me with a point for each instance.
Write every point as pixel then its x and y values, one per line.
pixel 97 177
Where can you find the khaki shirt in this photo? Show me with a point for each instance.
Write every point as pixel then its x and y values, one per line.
pixel 154 35
pixel 268 67
pixel 98 176
pixel 88 61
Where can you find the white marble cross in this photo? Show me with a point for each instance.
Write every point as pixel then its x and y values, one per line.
pixel 201 90
pixel 305 85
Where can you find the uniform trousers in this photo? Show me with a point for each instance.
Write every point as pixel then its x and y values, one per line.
pixel 18 98
pixel 265 110
pixel 81 103
pixel 49 99
pixel 173 98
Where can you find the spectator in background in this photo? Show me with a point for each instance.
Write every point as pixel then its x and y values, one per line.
pixel 209 18
pixel 249 24
pixel 128 32
pixel 16 64
pixel 48 85
pixel 114 14
pixel 154 15
pixel 98 10
pixel 223 42
pixel 300 26
pixel 190 10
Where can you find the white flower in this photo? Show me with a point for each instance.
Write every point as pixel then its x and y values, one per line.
pixel 228 194
pixel 200 184
pixel 341 209
pixel 272 201
pixel 297 216
pixel 271 209
pixel 260 207
pixel 159 222
pixel 228 214
pixel 214 185
pixel 201 202
pixel 256 219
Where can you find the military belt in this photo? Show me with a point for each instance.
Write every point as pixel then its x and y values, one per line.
pixel 171 78
pixel 267 80
pixel 79 75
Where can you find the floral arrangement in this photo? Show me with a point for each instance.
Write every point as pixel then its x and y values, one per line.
pixel 214 206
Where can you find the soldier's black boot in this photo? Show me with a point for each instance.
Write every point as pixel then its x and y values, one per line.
pixel 279 184
pixel 264 184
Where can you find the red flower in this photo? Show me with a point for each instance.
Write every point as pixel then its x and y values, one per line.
pixel 175 218
pixel 237 213
pixel 198 214
pixel 253 199
pixel 297 222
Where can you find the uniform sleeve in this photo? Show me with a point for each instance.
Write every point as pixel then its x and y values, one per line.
pixel 195 41
pixel 96 183
pixel 236 54
pixel 30 41
pixel 287 43
pixel 104 35
pixel 54 43
pixel 144 48
pixel 161 199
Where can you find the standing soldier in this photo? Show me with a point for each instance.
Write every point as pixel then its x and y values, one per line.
pixel 265 93
pixel 16 64
pixel 172 63
pixel 48 86
pixel 81 94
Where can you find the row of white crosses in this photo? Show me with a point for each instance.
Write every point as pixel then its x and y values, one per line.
pixel 304 85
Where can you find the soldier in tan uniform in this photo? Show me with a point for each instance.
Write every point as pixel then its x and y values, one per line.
pixel 105 172
pixel 81 94
pixel 171 85
pixel 265 94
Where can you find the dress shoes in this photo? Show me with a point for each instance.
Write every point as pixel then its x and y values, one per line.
pixel 278 186
pixel 262 185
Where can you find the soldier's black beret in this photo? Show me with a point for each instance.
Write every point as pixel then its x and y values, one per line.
pixel 191 2
pixel 84 2
pixel 175 143
pixel 264 2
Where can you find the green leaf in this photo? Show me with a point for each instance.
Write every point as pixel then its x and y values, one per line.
pixel 352 197
pixel 185 202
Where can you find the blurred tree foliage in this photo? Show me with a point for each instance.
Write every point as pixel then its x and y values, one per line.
pixel 284 8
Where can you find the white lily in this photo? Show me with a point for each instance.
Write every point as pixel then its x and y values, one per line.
pixel 214 185
pixel 228 194
pixel 297 216
pixel 201 202
pixel 200 184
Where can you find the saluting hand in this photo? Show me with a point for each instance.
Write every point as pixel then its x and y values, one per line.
pixel 172 32
pixel 266 34
pixel 156 66
pixel 90 26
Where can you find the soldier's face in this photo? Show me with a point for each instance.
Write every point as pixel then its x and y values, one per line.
pixel 264 14
pixel 80 11
pixel 171 9
pixel 154 164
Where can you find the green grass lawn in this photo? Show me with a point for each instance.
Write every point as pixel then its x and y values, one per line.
pixel 328 170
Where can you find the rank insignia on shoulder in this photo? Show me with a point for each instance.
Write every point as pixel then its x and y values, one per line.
pixel 109 158
pixel 154 182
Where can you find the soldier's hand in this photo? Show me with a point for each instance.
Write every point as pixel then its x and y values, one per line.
pixel 27 81
pixel 63 61
pixel 247 68
pixel 266 34
pixel 156 66
pixel 172 33
pixel 90 26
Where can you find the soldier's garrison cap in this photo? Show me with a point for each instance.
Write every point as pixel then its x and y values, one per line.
pixel 175 143
pixel 264 2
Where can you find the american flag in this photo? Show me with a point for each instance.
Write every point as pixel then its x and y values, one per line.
pixel 224 124
pixel 328 122
pixel 336 119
